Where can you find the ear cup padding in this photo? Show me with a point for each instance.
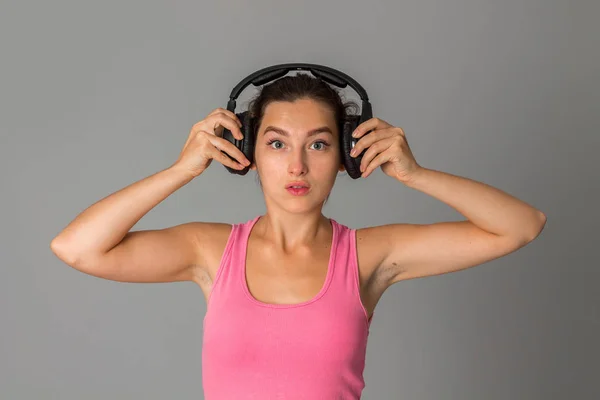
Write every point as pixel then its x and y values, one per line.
pixel 352 164
pixel 248 141
pixel 246 145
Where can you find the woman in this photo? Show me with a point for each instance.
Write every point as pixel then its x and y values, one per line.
pixel 291 293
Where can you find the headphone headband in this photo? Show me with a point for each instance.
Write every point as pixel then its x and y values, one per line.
pixel 328 74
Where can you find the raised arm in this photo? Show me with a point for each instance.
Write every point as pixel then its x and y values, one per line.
pixel 99 241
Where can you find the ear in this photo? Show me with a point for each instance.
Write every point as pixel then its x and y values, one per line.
pixel 342 168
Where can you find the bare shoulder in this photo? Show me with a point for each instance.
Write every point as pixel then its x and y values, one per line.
pixel 211 238
pixel 371 251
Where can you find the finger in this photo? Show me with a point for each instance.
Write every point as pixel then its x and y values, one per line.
pixel 222 120
pixel 232 115
pixel 225 160
pixel 372 151
pixel 377 161
pixel 215 111
pixel 230 149
pixel 369 125
pixel 371 138
pixel 224 111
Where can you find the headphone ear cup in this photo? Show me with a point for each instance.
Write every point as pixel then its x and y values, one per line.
pixel 352 164
pixel 246 145
pixel 248 140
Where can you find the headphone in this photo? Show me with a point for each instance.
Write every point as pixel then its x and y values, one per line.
pixel 327 74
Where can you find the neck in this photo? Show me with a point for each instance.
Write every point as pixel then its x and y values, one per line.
pixel 290 232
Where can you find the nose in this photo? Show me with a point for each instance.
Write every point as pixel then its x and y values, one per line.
pixel 297 163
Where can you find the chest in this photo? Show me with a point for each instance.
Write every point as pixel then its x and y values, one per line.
pixel 275 278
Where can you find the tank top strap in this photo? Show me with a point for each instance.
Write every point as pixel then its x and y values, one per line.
pixel 346 280
pixel 344 277
pixel 226 284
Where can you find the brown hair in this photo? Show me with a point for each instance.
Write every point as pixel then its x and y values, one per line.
pixel 300 86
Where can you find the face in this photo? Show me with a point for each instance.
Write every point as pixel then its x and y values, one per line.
pixel 297 141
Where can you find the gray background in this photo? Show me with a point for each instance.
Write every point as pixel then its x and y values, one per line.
pixel 97 95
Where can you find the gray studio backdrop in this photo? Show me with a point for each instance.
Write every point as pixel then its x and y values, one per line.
pixel 97 95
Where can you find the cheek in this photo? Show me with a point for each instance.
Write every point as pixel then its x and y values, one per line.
pixel 269 166
pixel 272 163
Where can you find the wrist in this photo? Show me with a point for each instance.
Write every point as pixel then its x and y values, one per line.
pixel 416 176
pixel 182 172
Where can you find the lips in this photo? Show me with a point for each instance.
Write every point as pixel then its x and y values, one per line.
pixel 297 184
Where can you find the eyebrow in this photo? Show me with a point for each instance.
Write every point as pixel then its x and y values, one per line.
pixel 312 132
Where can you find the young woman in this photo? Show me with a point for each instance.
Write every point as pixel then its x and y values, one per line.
pixel 291 293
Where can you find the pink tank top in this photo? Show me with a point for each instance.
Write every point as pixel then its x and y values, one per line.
pixel 310 350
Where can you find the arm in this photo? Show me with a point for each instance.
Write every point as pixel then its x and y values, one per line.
pixel 99 242
pixel 497 224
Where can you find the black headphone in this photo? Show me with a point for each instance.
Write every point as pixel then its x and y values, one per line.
pixel 329 75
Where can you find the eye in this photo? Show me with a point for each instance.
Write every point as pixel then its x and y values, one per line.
pixel 323 144
pixel 273 141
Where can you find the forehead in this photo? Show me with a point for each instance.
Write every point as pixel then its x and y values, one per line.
pixel 298 115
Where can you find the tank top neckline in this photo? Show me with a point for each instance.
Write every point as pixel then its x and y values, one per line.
pixel 328 277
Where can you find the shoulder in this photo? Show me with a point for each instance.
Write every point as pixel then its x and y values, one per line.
pixel 371 249
pixel 370 239
pixel 210 239
pixel 379 241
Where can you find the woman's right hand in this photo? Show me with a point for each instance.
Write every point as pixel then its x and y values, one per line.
pixel 205 143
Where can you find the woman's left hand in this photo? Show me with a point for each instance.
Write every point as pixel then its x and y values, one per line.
pixel 387 147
